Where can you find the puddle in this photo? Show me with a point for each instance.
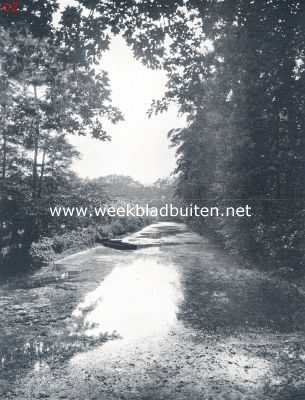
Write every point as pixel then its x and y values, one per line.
pixel 134 301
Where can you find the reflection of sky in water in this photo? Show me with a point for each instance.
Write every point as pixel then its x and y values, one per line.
pixel 137 300
pixel 164 233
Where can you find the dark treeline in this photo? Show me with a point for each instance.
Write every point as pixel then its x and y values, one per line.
pixel 125 188
pixel 244 98
pixel 236 70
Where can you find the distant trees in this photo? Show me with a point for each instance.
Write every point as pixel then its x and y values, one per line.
pixel 126 189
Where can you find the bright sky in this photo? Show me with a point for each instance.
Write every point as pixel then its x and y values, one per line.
pixel 139 145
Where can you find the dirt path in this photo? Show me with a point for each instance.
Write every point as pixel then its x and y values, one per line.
pixel 168 322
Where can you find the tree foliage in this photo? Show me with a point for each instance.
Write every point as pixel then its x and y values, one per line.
pixel 235 69
pixel 244 97
pixel 49 91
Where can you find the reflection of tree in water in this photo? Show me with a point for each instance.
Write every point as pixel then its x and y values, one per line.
pixel 221 299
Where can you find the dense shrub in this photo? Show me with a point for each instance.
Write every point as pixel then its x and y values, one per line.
pixel 42 251
pixel 48 249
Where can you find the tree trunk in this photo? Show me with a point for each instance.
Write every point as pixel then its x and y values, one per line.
pixel 36 149
pixel 41 172
pixel 4 154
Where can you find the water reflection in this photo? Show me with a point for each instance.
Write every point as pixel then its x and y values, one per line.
pixel 164 233
pixel 134 301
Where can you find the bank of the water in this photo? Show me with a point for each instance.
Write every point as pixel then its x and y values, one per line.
pixel 190 323
pixel 78 250
pixel 51 249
